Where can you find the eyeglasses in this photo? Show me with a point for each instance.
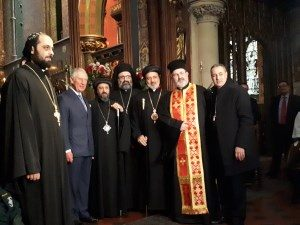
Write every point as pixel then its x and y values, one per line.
pixel 125 77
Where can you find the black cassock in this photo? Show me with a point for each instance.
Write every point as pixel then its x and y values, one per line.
pixel 169 129
pixel 150 165
pixel 127 157
pixel 104 188
pixel 31 142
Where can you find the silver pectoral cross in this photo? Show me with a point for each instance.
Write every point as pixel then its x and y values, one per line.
pixel 107 127
pixel 57 116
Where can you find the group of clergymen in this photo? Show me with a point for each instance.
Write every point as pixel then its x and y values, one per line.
pixel 182 153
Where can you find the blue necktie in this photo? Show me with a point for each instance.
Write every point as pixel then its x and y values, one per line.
pixel 82 101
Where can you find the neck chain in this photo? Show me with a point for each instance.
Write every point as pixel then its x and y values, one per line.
pixel 126 108
pixel 106 127
pixel 51 95
pixel 154 115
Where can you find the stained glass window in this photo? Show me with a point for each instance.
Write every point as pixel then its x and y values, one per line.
pixel 251 68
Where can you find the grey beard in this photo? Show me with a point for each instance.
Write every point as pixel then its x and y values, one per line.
pixel 126 87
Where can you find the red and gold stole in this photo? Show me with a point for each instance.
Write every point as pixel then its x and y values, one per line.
pixel 183 106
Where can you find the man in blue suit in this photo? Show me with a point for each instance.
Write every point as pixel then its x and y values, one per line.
pixel 79 146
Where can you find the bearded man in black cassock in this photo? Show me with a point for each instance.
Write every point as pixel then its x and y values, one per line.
pixel 181 117
pixel 145 132
pixel 124 81
pixel 104 188
pixel 33 163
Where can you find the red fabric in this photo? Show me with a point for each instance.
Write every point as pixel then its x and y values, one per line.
pixel 283 110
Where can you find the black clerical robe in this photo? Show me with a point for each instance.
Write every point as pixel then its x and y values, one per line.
pixel 128 159
pixel 104 187
pixel 170 132
pixel 150 165
pixel 31 142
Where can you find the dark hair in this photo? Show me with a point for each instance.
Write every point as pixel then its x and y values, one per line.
pixel 32 41
pixel 283 81
pixel 217 65
pixel 151 68
pixel 121 67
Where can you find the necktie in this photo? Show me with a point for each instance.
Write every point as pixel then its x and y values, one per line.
pixel 82 101
pixel 283 111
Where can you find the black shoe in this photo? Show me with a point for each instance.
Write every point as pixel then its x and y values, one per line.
pixel 89 220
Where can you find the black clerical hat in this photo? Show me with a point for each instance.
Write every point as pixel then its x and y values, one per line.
pixel 101 80
pixel 151 68
pixel 176 64
pixel 121 68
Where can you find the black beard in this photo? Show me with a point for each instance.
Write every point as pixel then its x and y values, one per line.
pixel 41 63
pixel 104 98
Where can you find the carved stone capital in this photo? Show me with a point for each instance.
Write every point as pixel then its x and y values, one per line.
pixel 207 10
pixel 92 43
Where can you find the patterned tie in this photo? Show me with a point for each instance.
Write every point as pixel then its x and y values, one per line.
pixel 82 101
pixel 283 111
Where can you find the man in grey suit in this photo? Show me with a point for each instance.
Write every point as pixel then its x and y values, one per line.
pixel 79 145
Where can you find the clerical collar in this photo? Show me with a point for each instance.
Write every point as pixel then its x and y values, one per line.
pixel 154 90
pixel 184 86
pixel 76 92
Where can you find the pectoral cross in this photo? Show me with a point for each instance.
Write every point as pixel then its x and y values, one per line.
pixel 57 115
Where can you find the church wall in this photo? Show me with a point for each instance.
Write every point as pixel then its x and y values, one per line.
pixel 65 18
pixel 34 19
pixel 110 25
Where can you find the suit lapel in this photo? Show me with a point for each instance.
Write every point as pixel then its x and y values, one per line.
pixel 77 102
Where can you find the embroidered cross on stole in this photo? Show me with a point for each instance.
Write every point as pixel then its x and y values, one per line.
pixel 183 106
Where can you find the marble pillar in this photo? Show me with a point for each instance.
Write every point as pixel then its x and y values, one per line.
pixel 204 38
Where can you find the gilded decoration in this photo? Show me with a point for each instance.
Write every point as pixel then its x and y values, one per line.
pixel 207 12
pixel 92 43
pixel 116 12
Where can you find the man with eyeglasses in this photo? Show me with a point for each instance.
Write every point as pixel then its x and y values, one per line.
pixel 32 157
pixel 124 83
pixel 181 120
pixel 284 108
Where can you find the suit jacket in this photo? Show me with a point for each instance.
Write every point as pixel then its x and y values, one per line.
pixel 76 124
pixel 292 109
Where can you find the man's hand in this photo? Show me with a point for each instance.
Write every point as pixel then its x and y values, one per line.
pixel 117 106
pixel 33 177
pixel 69 156
pixel 239 153
pixel 185 126
pixel 142 140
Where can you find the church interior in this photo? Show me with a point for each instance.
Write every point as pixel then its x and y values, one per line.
pixel 257 40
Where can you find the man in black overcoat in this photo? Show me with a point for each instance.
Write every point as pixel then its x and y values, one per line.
pixel 284 108
pixel 230 143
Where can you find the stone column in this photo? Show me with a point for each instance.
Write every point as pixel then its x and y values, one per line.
pixel 76 54
pixel 204 38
